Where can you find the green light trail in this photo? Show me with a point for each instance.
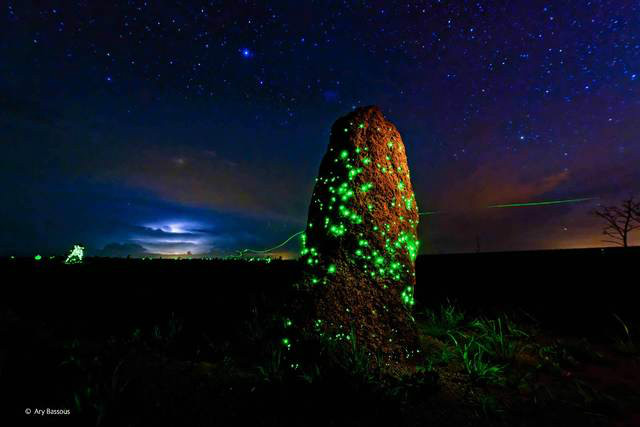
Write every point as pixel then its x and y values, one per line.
pixel 255 251
pixel 507 205
pixel 545 203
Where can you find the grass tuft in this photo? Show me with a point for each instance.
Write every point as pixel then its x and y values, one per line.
pixel 440 323
pixel 624 343
pixel 475 361
pixel 499 338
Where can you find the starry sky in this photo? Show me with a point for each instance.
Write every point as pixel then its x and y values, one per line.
pixel 139 127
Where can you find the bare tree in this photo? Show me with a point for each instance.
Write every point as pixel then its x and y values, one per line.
pixel 620 221
pixel 635 209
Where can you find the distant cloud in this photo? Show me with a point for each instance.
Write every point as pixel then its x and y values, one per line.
pixel 122 250
pixel 204 178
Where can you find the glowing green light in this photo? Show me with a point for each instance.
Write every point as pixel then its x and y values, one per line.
pixel 544 203
pixel 331 269
pixel 401 186
pixel 338 230
pixel 37 257
pixel 407 296
pixel 76 255
pixel 361 125
pixel 354 172
pixel 366 187
pixel 344 154
pixel 303 238
pixel 407 203
pixel 347 195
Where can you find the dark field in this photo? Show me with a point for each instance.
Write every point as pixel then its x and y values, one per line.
pixel 517 339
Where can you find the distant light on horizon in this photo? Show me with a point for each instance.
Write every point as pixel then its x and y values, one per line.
pixel 175 237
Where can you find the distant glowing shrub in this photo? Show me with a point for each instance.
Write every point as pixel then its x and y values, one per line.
pixel 76 255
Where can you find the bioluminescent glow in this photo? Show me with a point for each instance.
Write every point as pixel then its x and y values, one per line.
pixel 337 231
pixel 340 215
pixel 76 255
pixel 286 342
pixel 543 203
pixel 257 251
pixel 37 257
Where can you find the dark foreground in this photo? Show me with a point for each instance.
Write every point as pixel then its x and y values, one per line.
pixel 523 339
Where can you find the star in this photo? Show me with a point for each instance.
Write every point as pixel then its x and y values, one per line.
pixel 552 82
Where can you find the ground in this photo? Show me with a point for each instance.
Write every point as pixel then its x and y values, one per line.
pixel 139 343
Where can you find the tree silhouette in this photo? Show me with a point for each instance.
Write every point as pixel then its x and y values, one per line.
pixel 620 221
pixel 635 209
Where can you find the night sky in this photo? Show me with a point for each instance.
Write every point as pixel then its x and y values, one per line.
pixel 140 127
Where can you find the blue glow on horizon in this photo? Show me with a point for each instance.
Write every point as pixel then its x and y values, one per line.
pixel 176 237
